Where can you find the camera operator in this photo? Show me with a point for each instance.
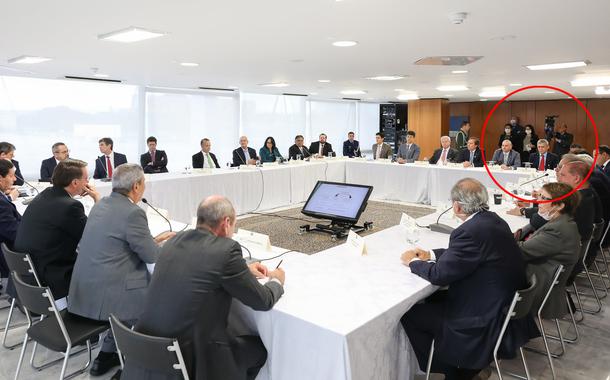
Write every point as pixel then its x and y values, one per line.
pixel 563 140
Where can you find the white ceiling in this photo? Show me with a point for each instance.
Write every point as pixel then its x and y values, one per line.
pixel 245 43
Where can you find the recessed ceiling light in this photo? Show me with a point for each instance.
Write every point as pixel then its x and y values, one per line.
pixel 493 92
pixel 591 81
pixel 555 66
pixel 448 96
pixel 345 43
pixel 131 34
pixel 28 59
pixel 516 84
pixel 386 77
pixel 459 71
pixel 412 96
pixel 602 91
pixel 324 80
pixel 279 84
pixel 549 92
pixel 452 88
pixel 353 92
pixel 101 75
pixel 189 64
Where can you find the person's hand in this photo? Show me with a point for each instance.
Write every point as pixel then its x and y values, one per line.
pixel 401 160
pixel 278 274
pixel 13 193
pixel 467 164
pixel 407 256
pixel 251 161
pixel 90 191
pixel 515 211
pixel 521 204
pixel 163 236
pixel 258 270
pixel 505 167
pixel 422 254
pixel 149 163
pixel 425 159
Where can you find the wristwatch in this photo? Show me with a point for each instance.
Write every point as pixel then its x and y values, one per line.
pixel 522 211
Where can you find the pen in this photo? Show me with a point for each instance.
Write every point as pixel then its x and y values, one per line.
pixel 280 263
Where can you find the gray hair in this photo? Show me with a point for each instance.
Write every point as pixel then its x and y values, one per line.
pixel 445 138
pixel 125 176
pixel 471 195
pixel 213 210
pixel 543 142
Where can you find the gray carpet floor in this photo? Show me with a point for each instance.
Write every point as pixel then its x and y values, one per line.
pixel 283 227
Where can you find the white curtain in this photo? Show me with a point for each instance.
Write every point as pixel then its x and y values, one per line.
pixel 368 125
pixel 333 118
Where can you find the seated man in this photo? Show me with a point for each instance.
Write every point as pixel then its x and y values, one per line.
pixel 244 155
pixel 205 159
pixel 9 216
pixel 298 149
pixel 199 293
pixel 483 268
pixel 53 224
pixel 506 157
pixel 321 148
pixel 109 160
pixel 154 161
pixel 444 154
pixel 60 153
pixel 7 152
pixel 471 156
pixel 409 150
pixel 543 159
pixel 381 149
pixel 110 275
pixel 603 159
pixel 351 147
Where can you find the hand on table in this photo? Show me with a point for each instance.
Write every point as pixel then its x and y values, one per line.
pixel 258 270
pixel 467 164
pixel 163 236
pixel 278 274
pixel 515 211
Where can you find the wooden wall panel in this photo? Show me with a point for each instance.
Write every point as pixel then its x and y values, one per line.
pixel 600 110
pixel 429 119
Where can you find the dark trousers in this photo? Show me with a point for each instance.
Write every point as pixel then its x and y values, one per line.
pixel 249 353
pixel 423 323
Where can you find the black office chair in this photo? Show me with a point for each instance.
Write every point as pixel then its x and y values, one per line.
pixel 57 331
pixel 595 236
pixel 150 352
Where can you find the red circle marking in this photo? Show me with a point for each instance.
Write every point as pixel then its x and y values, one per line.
pixel 482 144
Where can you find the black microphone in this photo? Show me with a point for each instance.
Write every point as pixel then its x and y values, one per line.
pixel 535 179
pixel 105 179
pixel 439 227
pixel 26 202
pixel 157 211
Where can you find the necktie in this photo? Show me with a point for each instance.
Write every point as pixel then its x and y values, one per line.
pixel 321 149
pixel 109 166
pixel 444 155
pixel 505 158
pixel 471 157
pixel 378 151
pixel 246 154
pixel 152 157
pixel 301 149
pixel 541 166
pixel 210 163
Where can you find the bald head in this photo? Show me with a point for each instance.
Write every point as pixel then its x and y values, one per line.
pixel 507 146
pixel 216 213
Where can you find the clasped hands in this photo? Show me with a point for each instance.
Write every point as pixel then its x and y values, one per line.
pixel 411 254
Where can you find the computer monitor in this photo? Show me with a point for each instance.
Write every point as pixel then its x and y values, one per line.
pixel 339 202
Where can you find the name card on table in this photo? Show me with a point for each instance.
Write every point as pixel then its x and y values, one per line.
pixel 407 221
pixel 422 163
pixel 356 243
pixel 260 240
pixel 203 171
pixel 247 167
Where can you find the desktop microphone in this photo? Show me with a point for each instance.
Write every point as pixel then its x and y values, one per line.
pixel 26 202
pixel 105 179
pixel 535 179
pixel 157 211
pixel 439 227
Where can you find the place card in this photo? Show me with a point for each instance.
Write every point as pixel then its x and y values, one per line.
pixel 407 221
pixel 356 243
pixel 258 239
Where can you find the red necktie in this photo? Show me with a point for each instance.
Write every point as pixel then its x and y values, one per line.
pixel 109 166
pixel 541 167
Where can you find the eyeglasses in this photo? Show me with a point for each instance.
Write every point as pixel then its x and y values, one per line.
pixel 541 197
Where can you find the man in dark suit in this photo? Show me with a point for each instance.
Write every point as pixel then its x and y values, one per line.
pixel 9 217
pixel 549 160
pixel 109 160
pixel 351 147
pixel 483 268
pixel 244 155
pixel 471 156
pixel 153 161
pixel 603 159
pixel 60 153
pixel 298 149
pixel 199 294
pixel 517 133
pixel 444 154
pixel 563 141
pixel 205 159
pixel 7 152
pixel 321 148
pixel 53 224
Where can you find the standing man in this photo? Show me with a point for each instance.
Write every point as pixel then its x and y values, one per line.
pixel 506 157
pixel 381 149
pixel 444 154
pixel 517 133
pixel 199 293
pixel 205 159
pixel 461 139
pixel 603 159
pixel 298 149
pixel 9 216
pixel 244 155
pixel 408 151
pixel 321 148
pixel 7 152
pixel 108 161
pixel 60 153
pixel 563 141
pixel 110 274
pixel 351 147
pixel 543 159
pixel 471 157
pixel 154 161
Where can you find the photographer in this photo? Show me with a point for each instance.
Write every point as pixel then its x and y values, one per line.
pixel 563 140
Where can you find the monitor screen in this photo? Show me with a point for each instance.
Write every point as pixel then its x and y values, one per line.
pixel 337 201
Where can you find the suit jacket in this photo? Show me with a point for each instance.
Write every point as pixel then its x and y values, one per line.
pixel 294 150
pixel 314 148
pixel 110 274
pixel 557 242
pixel 9 223
pixel 196 277
pixel 46 169
pixel 198 160
pixel 451 155
pixel 551 161
pixel 160 164
pixel 563 146
pixel 239 158
pixel 386 151
pixel 267 156
pixel 514 158
pixel 483 268
pixel 50 230
pixel 100 164
pixel 605 169
pixel 464 156
pixel 351 149
pixel 19 180
pixel 411 154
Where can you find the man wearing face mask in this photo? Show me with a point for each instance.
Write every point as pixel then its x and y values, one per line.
pixel 563 140
pixel 518 133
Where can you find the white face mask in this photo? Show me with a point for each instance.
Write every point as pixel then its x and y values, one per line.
pixel 547 215
pixel 528 131
pixel 507 131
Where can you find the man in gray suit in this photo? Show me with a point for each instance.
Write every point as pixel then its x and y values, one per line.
pixel 110 274
pixel 409 150
pixel 381 149
pixel 507 157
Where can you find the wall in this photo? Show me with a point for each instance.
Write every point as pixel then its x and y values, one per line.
pixel 429 118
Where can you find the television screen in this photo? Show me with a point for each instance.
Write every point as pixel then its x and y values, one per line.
pixel 337 201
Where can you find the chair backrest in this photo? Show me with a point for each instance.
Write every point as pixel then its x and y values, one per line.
pixel 146 351
pixel 550 284
pixel 35 299
pixel 18 262
pixel 598 231
pixel 525 299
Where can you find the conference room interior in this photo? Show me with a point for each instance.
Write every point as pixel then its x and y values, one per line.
pixel 195 94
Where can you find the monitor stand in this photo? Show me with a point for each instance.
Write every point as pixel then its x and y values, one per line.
pixel 336 229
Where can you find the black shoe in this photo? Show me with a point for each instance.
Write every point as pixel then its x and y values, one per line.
pixel 117 375
pixel 104 362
